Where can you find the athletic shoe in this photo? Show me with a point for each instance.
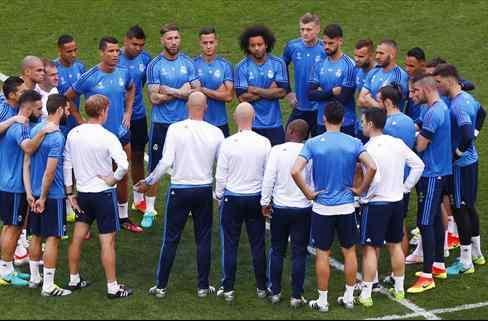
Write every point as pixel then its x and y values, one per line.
pixel 35 284
pixel 21 256
pixel 122 293
pixel 397 295
pixel 314 305
pixel 263 294
pixel 446 253
pixel 128 225
pixel 275 298
pixel 141 206
pixel 298 303
pixel 480 260
pixel 23 276
pixel 458 269
pixel 71 216
pixel 358 287
pixel 436 273
pixel 376 287
pixel 65 238
pixel 389 281
pixel 3 282
pixel 415 232
pixel 414 241
pixel 367 303
pixel 346 305
pixel 56 291
pixel 79 286
pixel 422 285
pixel 148 219
pixel 158 293
pixel 453 241
pixel 14 279
pixel 203 293
pixel 228 296
pixel 414 259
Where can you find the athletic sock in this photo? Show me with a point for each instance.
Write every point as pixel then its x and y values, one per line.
pixel 376 278
pixel 150 201
pixel 446 241
pixel 113 287
pixel 74 279
pixel 323 298
pixel 138 197
pixel 466 257
pixel 68 207
pixel 451 226
pixel 427 276
pixel 367 290
pixel 34 271
pixel 48 284
pixel 123 211
pixel 476 249
pixel 349 294
pixel 399 283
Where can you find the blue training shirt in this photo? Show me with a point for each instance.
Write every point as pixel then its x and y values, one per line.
pixel 303 57
pixel 51 147
pixel 137 68
pixel 334 157
pixel 6 111
pixel 172 73
pixel 377 78
pixel 212 76
pixel 248 73
pixel 12 158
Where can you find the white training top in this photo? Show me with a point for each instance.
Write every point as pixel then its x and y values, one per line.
pixel 278 182
pixel 241 164
pixel 90 151
pixel 391 154
pixel 45 95
pixel 190 151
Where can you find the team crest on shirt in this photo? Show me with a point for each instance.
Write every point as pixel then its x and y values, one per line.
pixel 338 73
pixel 317 58
pixel 100 85
pixel 121 82
pixel 251 75
pixel 164 72
pixel 217 73
pixel 141 67
pixel 200 72
pixel 299 55
pixel 270 74
pixel 183 70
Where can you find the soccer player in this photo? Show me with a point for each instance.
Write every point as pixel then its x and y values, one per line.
pixel 217 79
pixel 383 214
pixel 434 143
pixel 414 65
pixel 89 153
pixel 386 72
pixel 115 83
pixel 12 88
pixel 466 85
pixel 70 70
pixel 48 85
pixel 239 177
pixel 334 156
pixel 171 77
pixel 465 112
pixel 13 144
pixel 44 186
pixel 190 191
pixel 304 52
pixel 32 71
pixel 261 79
pixel 134 58
pixel 334 79
pixel 289 211
pixel 364 56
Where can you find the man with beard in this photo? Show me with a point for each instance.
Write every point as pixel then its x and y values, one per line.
pixel 134 58
pixel 12 89
pixel 32 71
pixel 116 84
pixel 334 79
pixel 48 85
pixel 364 57
pixel 304 52
pixel 171 77
pixel 385 73
pixel 261 79
pixel 44 186
pixel 414 65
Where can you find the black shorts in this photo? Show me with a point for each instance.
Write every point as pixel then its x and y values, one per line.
pixel 325 227
pixel 13 208
pixel 52 222
pixel 157 138
pixel 382 223
pixel 101 207
pixel 275 135
pixel 465 183
pixel 139 136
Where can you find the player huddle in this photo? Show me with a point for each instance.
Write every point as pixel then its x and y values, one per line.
pixel 325 173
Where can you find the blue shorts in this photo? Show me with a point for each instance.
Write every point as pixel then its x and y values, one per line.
pixel 101 207
pixel 465 185
pixel 157 137
pixel 429 199
pixel 14 208
pixel 325 227
pixel 139 136
pixel 52 222
pixel 225 130
pixel 310 116
pixel 382 223
pixel 275 135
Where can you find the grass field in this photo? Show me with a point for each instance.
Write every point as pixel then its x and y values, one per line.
pixel 455 30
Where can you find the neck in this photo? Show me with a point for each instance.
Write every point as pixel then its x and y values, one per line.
pixel 294 140
pixel 53 119
pixel 196 116
pixel 261 60
pixel 368 66
pixel 209 58
pixel 28 82
pixel 12 103
pixel 333 128
pixel 107 68
pixel 433 97
pixel 94 121
pixel 375 133
pixel 392 110
pixel 169 56
pixel 243 127
pixel 390 67
pixel 454 91
pixel 125 53
pixel 311 43
pixel 337 55
pixel 46 87
pixel 65 62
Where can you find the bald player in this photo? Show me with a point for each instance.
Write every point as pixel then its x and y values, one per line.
pixel 386 73
pixel 190 152
pixel 32 71
pixel 239 178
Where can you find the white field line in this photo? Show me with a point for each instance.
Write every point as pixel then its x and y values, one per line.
pixel 437 311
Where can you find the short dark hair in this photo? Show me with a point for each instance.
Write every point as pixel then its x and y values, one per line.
pixel 135 32
pixel 105 41
pixel 207 31
pixel 377 116
pixel 11 85
pixel 54 102
pixel 417 53
pixel 389 42
pixel 333 31
pixel 168 27
pixel 257 31
pixel 393 93
pixel 365 43
pixel 434 62
pixel 447 71
pixel 30 96
pixel 419 76
pixel 65 39
pixel 334 113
